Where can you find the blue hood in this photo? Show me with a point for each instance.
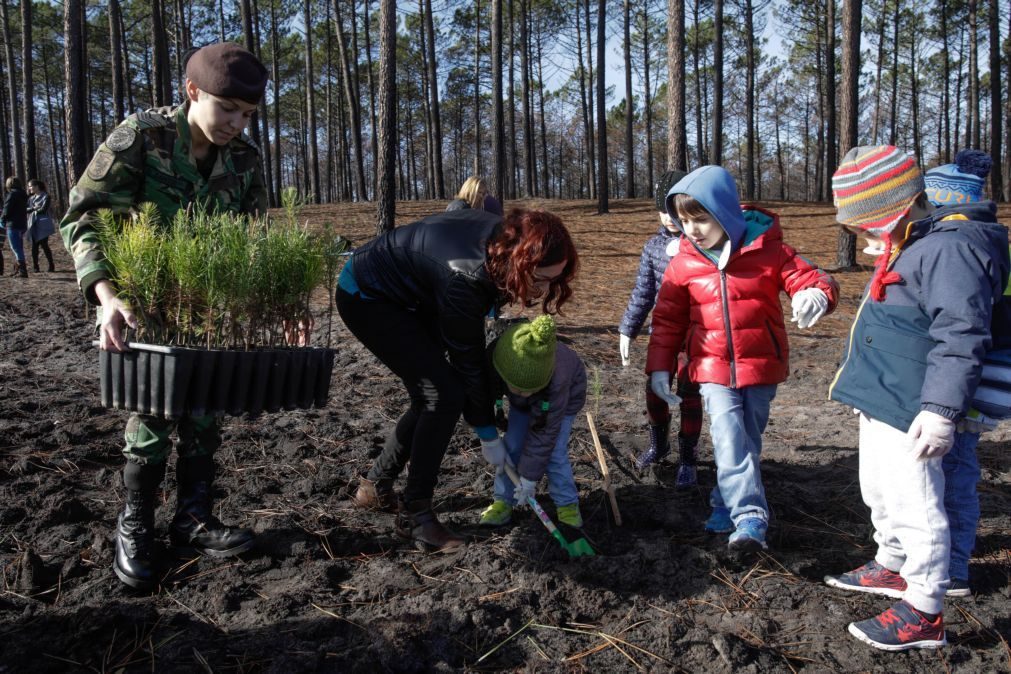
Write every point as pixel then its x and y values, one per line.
pixel 714 188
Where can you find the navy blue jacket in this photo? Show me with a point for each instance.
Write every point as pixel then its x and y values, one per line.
pixel 436 267
pixel 922 347
pixel 15 209
pixel 652 265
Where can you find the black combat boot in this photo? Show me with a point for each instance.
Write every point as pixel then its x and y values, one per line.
pixel 659 446
pixel 195 529
pixel 417 521
pixel 134 562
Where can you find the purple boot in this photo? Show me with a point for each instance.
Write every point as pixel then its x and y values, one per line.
pixel 659 446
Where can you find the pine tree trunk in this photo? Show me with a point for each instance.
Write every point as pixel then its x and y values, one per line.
pixel 353 104
pixel 310 105
pixel 433 92
pixel 261 114
pixel 946 90
pixel 528 141
pixel 28 88
pixel 275 79
pixel 696 49
pixel 716 155
pixel 590 83
pixel 477 87
pixel 509 191
pixel 629 111
pixel 13 111
pixel 677 150
pixel 914 91
pixel 246 12
pixel 972 125
pixel 387 118
pixel 545 179
pixel 879 66
pixel 749 99
pixel 498 111
pixel 76 104
pixel 160 66
pixel 584 103
pixel 893 135
pixel 602 177
pixel 996 175
pixel 647 99
pixel 831 150
pixel 846 244
pixel 116 54
pixel 374 136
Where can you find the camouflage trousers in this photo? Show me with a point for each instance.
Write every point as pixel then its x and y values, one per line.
pixel 148 438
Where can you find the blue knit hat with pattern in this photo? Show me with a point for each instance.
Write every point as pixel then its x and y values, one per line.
pixel 961 182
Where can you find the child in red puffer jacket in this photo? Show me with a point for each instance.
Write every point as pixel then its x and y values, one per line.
pixel 719 301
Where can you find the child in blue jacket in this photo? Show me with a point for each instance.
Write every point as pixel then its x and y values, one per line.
pixel 656 255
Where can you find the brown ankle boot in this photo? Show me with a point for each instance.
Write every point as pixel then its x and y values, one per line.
pixel 378 495
pixel 417 521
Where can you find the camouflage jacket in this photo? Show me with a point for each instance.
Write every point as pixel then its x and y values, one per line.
pixel 147 159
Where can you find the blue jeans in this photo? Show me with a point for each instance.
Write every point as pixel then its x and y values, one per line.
pixel 16 239
pixel 561 483
pixel 961 501
pixel 737 419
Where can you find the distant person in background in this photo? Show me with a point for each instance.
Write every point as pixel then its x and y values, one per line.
pixel 471 195
pixel 40 223
pixel 15 219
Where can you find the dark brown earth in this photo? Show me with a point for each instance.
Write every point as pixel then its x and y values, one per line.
pixel 331 588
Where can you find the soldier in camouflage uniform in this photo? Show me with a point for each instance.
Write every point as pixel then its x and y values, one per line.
pixel 193 154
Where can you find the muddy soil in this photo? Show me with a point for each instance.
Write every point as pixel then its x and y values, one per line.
pixel 331 588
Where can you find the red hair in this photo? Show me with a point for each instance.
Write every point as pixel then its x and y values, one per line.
pixel 531 239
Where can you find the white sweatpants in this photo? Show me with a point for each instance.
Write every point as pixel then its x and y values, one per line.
pixel 906 498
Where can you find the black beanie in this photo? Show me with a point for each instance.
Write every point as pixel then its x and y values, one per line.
pixel 667 180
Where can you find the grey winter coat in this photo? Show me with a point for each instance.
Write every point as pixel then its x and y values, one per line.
pixel 40 223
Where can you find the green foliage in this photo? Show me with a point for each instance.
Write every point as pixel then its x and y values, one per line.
pixel 219 280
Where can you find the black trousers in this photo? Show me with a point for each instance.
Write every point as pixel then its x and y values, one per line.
pixel 44 245
pixel 406 342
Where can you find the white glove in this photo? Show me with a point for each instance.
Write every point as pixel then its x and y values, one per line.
pixel 809 305
pixel 624 341
pixel 524 490
pixel 494 451
pixel 931 435
pixel 659 382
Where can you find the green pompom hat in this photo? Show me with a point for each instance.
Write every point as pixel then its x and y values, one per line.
pixel 525 354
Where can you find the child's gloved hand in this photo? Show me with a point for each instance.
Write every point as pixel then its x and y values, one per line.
pixel 659 383
pixel 624 342
pixel 809 305
pixel 931 435
pixel 524 490
pixel 494 451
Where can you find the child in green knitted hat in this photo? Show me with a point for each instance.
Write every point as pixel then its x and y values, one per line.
pixel 545 385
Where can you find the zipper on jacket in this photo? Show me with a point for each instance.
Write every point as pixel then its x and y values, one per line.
pixel 726 323
pixel 849 348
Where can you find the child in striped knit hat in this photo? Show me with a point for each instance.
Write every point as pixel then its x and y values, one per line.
pixel 910 368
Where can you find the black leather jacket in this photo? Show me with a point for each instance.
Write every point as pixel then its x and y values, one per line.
pixel 436 266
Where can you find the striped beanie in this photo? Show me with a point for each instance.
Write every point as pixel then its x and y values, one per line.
pixel 961 182
pixel 874 187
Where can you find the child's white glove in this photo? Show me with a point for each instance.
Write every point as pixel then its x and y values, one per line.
pixel 659 383
pixel 624 342
pixel 524 490
pixel 494 451
pixel 809 305
pixel 931 435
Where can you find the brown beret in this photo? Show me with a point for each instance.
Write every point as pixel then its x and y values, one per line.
pixel 225 69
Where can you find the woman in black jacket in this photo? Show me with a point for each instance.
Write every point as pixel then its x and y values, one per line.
pixel 421 292
pixel 15 218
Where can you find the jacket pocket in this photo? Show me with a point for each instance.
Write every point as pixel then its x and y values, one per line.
pixel 775 342
pixel 897 343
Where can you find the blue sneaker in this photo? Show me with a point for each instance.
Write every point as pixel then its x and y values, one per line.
pixel 749 536
pixel 719 522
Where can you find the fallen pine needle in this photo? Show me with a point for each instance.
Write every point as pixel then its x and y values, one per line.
pixel 507 640
pixel 337 617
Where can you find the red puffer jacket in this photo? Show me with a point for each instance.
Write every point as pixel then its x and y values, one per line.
pixel 740 342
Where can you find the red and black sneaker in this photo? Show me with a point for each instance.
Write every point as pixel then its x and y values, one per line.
pixel 900 628
pixel 872 578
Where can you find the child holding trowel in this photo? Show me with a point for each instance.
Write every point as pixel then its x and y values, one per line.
pixel 545 385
